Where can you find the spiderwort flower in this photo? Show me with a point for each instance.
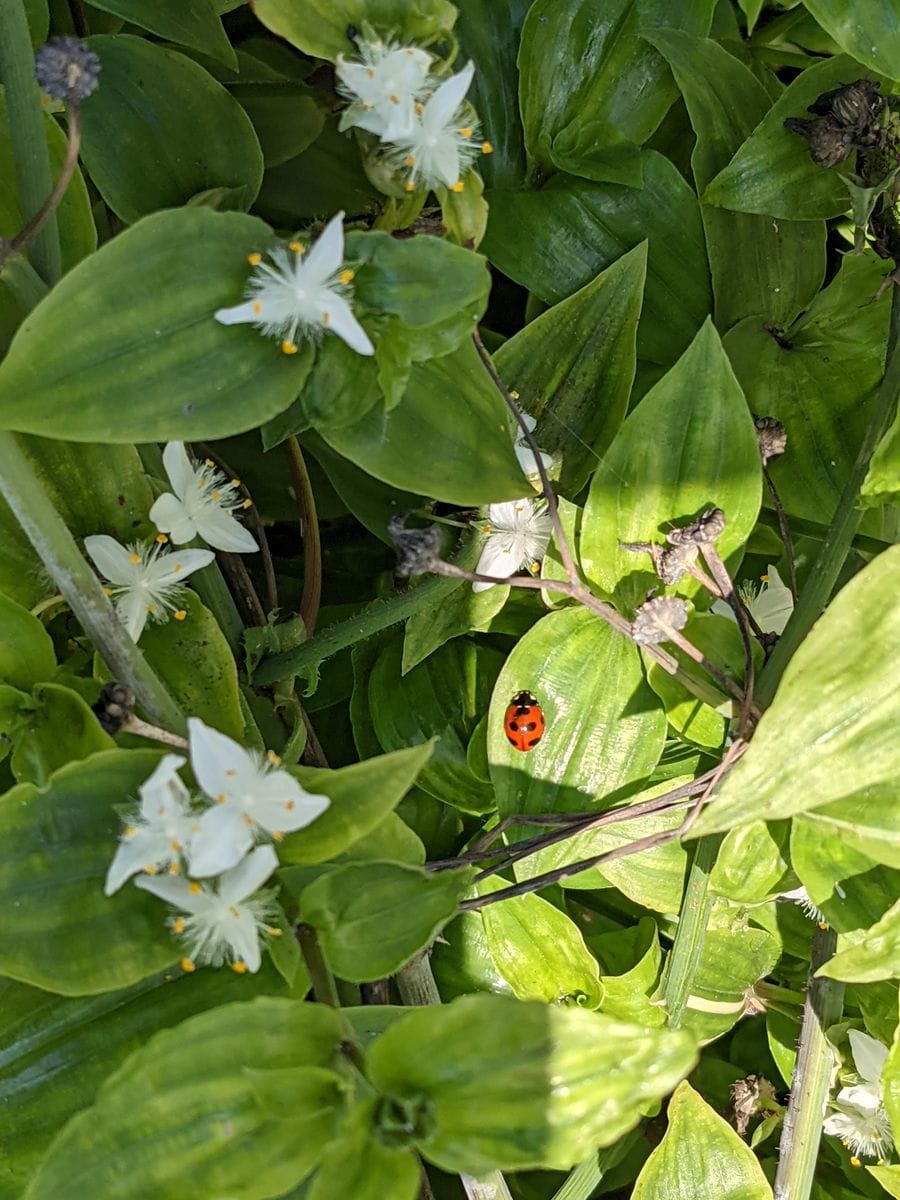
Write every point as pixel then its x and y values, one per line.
pixel 203 504
pixel 800 897
pixel 158 837
pixel 144 579
pixel 525 455
pixel 224 923
pixel 304 294
pixel 517 535
pixel 770 604
pixel 252 796
pixel 383 88
pixel 860 1119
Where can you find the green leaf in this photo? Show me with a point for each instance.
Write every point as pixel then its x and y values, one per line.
pixel 196 24
pixel 573 230
pixel 195 1090
pixel 834 719
pixel 140 151
pixel 591 118
pixel 867 31
pixel 700 1155
pixel 752 864
pixel 851 890
pixel 57 844
pixel 867 821
pixel 734 958
pixel 26 650
pixel 319 27
pixel 58 729
pixel 286 117
pixel 513 1084
pixel 362 796
pixel 605 729
pixel 539 951
pixel 184 374
pixel 882 483
pixel 461 960
pixel 888 1177
pixel 573 367
pixel 758 266
pixel 363 1164
pixel 688 445
pixel 877 956
pixel 772 172
pixel 449 437
pixel 372 917
pixel 628 994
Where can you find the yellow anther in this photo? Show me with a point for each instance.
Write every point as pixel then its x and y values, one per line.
pixel 459 186
pixel 230 773
pixel 289 347
pixel 394 99
pixel 174 868
pixel 130 831
pixel 346 276
pixel 297 247
pixel 134 558
pixel 257 308
pixel 822 924
pixel 854 1161
pixel 188 965
pixel 535 568
pixel 466 131
pixel 151 870
pixel 278 837
pixel 248 820
pixel 195 889
pixel 487 148
pixel 272 758
pixel 235 483
pixel 107 591
pixel 220 799
pixel 254 259
pixel 239 967
pixel 175 845
pixel 289 806
pixel 420 107
pixel 409 186
pixel 216 495
pixel 410 160
pixel 180 614
pixel 326 319
pixel 151 608
pixel 161 538
pixel 176 567
pixel 272 932
pixel 485 529
pixel 370 73
pixel 234 912
pixel 208 462
pixel 248 503
pixel 178 925
pixel 515 395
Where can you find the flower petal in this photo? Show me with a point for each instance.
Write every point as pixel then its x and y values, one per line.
pixel 132 611
pixel 865 1098
pixel 220 841
pixel 111 558
pixel 448 97
pixel 242 933
pixel 342 322
pixel 133 855
pixel 174 889
pixel 239 314
pixel 326 255
pixel 248 876
pixel 220 529
pixel 164 787
pixel 869 1055
pixel 281 805
pixel 170 516
pixel 178 468
pixel 498 557
pixel 175 566
pixel 221 766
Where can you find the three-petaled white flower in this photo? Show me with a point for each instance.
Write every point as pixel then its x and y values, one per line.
pixel 441 145
pixel 204 503
pixel 526 456
pixel 144 580
pixel 800 896
pixel 517 535
pixel 303 294
pixel 860 1119
pixel 225 922
pixel 770 604
pixel 383 88
pixel 251 795
pixel 159 836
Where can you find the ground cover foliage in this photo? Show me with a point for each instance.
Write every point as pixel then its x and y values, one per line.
pixel 449 464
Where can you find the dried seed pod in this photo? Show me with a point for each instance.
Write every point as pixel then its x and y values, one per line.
pixel 656 620
pixel 67 69
pixel 770 437
pixel 700 532
pixel 417 549
pixel 113 709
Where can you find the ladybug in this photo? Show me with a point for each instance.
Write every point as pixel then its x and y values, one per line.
pixel 524 723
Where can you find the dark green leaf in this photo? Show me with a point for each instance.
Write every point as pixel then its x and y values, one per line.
pixel 196 24
pixel 867 30
pixel 58 729
pixel 362 1165
pixel 26 651
pixel 876 956
pixel 319 27
pixel 286 116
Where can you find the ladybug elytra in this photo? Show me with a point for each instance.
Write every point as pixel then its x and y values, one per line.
pixel 524 723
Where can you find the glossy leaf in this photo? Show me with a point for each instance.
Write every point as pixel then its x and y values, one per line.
pixel 319 28
pixel 882 483
pixel 26 650
pixel 700 1155
pixel 195 1090
pixel 461 959
pixel 834 718
pixel 734 957
pixel 373 917
pixel 753 862
pixel 573 367
pixel 182 372
pixel 195 25
pixel 573 230
pixel 137 118
pixel 57 844
pixel 867 30
pixel 628 994
pixel 876 956
pixel 362 1164
pixel 689 445
pixel 58 728
pixel 852 890
pixel 286 117
pixel 483 1064
pixel 867 821
pixel 605 729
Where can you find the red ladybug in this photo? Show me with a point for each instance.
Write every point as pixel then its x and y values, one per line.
pixel 524 723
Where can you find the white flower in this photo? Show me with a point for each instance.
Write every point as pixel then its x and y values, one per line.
pixel 517 535
pixel 158 837
pixel 251 796
pixel 860 1119
pixel 384 88
pixel 524 453
pixel 203 503
pixel 304 294
pixel 144 579
pixel 225 922
pixel 801 896
pixel 441 145
pixel 770 604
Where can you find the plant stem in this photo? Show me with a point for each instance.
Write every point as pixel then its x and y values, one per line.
pixel 311 597
pixel 72 576
pixel 812 1078
pixel 323 982
pixel 691 933
pixel 827 567
pixel 27 134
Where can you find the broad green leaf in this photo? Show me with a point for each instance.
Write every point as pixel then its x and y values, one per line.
pixel 882 483
pixel 888 1177
pixel 184 375
pixel 362 1162
pixel 192 658
pixel 752 864
pixel 591 118
pixel 818 378
pixel 195 1090
pixel 539 951
pixel 77 234
pixel 58 1050
pixel 286 116
pixel 515 1084
pixel 605 729
pixel 57 844
pixel 851 889
pixel 867 821
pixel 628 994
pixel 701 1155
pixel 461 959
pixel 362 796
pixel 757 265
pixel 867 30
pixel 783 1036
pixel 690 444
pixel 573 367
pixel 734 957
pixel 877 956
pixel 319 27
pixel 38 21
pixel 196 24
pixel 58 729
pixel 833 722
pixel 139 149
pixel 772 172
pixel 373 917
pixel 573 230
pixel 26 650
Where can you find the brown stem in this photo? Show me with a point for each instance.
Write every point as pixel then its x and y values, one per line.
pixel 726 586
pixel 785 530
pixel 79 19
pixel 241 587
pixel 142 729
pixel 311 597
pixel 697 655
